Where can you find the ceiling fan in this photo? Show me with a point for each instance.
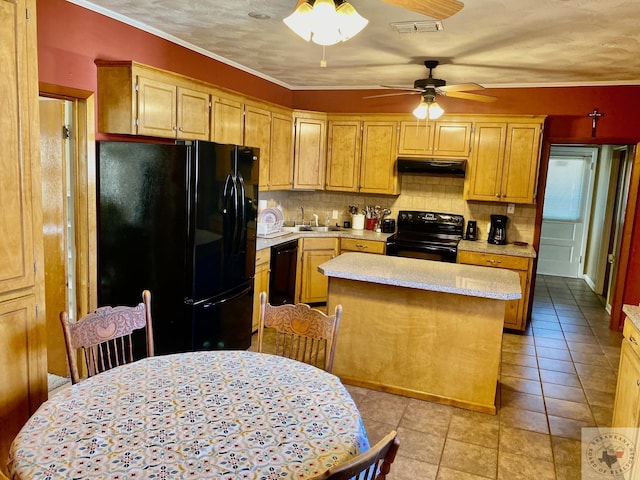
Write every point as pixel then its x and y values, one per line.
pixel 439 9
pixel 430 87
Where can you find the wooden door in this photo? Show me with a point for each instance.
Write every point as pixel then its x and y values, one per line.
pixel 18 365
pixel 520 172
pixel 343 155
pixel 16 233
pixel 281 158
pixel 192 115
pixel 515 310
pixel 228 121
pixel 314 284
pixel 416 138
pixel 261 283
pixel 156 108
pixel 309 154
pixel 452 139
pixel 54 215
pixel 377 167
pixel 626 407
pixel 484 176
pixel 257 133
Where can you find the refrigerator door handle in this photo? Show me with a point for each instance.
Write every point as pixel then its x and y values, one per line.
pixel 228 195
pixel 242 223
pixel 244 291
pixel 236 220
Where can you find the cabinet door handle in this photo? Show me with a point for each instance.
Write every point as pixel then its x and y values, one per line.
pixel 638 383
pixel 633 340
pixel 360 245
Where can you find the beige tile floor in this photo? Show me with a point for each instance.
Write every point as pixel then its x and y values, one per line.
pixel 559 376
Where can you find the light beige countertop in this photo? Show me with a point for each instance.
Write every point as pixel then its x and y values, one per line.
pixel 633 314
pixel 470 280
pixel 508 249
pixel 342 233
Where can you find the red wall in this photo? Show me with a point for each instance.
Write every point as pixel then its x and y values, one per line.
pixel 70 38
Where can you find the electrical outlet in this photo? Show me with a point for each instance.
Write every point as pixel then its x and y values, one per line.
pixel 335 214
pixel 511 208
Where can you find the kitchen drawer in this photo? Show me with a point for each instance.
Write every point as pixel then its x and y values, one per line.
pixel 328 243
pixel 263 256
pixel 631 333
pixel 490 260
pixel 357 245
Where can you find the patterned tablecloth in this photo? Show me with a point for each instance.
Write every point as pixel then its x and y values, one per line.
pixel 208 415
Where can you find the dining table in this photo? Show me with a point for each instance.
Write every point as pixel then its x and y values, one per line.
pixel 201 415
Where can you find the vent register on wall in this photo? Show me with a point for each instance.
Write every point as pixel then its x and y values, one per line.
pixel 180 220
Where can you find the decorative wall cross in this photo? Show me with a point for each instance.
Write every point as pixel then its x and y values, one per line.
pixel 595 116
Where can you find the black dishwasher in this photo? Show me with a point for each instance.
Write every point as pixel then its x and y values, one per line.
pixel 282 282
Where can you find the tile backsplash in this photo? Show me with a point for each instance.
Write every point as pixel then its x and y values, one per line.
pixel 418 192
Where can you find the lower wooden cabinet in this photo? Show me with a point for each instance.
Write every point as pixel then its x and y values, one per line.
pixel 515 317
pixel 311 284
pixel 626 408
pixel 357 245
pixel 260 283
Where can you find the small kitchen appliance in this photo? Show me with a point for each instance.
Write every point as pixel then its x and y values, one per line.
pixel 498 230
pixel 472 230
pixel 388 225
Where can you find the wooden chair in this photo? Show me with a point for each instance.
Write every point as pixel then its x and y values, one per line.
pixel 105 336
pixel 302 333
pixel 374 464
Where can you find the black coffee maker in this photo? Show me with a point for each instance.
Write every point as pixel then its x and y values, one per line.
pixel 498 230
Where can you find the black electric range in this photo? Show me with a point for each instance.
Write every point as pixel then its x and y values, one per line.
pixel 426 235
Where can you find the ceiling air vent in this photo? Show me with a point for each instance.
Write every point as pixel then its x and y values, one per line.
pixel 418 27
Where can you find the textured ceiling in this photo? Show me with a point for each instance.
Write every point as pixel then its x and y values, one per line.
pixel 491 42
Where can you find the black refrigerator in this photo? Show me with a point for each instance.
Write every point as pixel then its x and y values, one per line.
pixel 180 220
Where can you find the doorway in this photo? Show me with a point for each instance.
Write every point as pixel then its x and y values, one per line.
pixel 583 214
pixel 68 184
pixel 57 163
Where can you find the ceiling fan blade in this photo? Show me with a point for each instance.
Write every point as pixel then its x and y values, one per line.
pixel 470 96
pixel 439 9
pixel 393 94
pixel 397 87
pixel 461 87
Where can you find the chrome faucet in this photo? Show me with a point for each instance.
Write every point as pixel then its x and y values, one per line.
pixel 302 212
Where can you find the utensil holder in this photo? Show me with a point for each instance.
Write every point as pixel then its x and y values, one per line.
pixel 357 221
pixel 370 223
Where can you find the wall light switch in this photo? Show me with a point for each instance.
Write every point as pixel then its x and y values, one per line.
pixel 335 214
pixel 511 208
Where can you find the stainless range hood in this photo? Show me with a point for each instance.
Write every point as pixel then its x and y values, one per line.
pixel 432 166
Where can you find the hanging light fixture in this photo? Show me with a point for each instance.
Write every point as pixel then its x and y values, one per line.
pixel 428 107
pixel 325 22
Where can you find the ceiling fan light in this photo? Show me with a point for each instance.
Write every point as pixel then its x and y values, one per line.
pixel 421 110
pixel 301 20
pixel 350 22
pixel 435 111
pixel 321 22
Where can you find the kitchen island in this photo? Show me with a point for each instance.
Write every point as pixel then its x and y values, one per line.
pixel 424 329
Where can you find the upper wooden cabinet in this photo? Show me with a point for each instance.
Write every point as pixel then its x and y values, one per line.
pixel 361 155
pixel 449 137
pixel 272 132
pixel 23 362
pixel 503 166
pixel 227 120
pixel 309 151
pixel 136 99
pixel 281 164
pixel 257 133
